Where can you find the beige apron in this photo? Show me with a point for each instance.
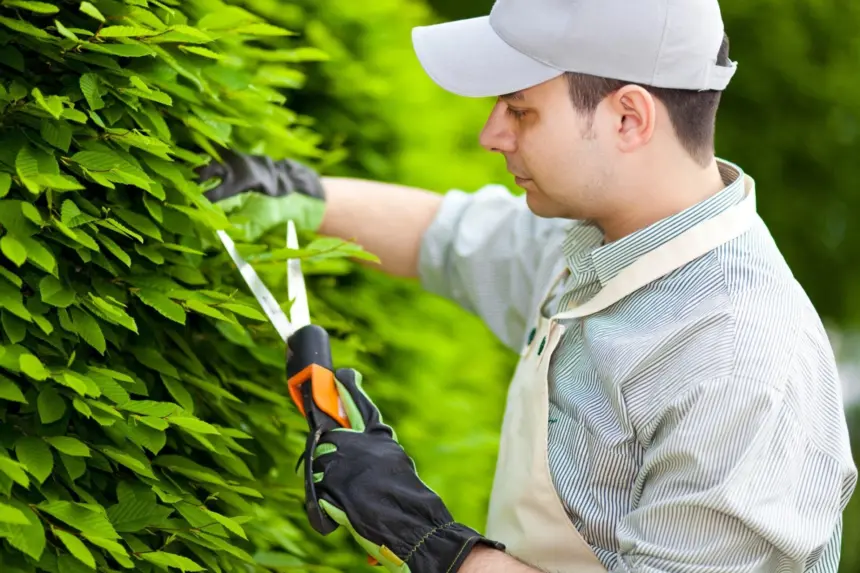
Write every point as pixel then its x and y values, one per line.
pixel 526 513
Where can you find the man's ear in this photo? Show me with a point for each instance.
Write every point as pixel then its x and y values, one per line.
pixel 636 112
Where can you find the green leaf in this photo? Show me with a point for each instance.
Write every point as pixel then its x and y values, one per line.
pixel 16 329
pixel 227 522
pixel 83 517
pixel 152 358
pixel 89 329
pixel 69 446
pixel 13 249
pixel 112 312
pixel 32 367
pixel 128 461
pixel 204 308
pixel 12 300
pixel 14 470
pixel 32 213
pixel 156 423
pixel 193 424
pixel 115 549
pixel 130 50
pixel 51 405
pixel 32 6
pixel 65 32
pixel 76 467
pixel 110 388
pixel 125 32
pixel 163 304
pixel 150 408
pixel 28 539
pixel 179 393
pixel 24 28
pixel 5 184
pixel 53 292
pixel 245 310
pixel 164 559
pixel 149 144
pixel 204 52
pixel 52 104
pixel 90 87
pixel 114 248
pixel 91 11
pixel 136 509
pixel 82 407
pixel 38 254
pixel 36 455
pixel 9 514
pixel 139 222
pixel 186 467
pixel 10 391
pixel 76 547
pixel 57 133
pixel 27 167
pixel 11 277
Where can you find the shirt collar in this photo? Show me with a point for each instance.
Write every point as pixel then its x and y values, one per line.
pixel 585 251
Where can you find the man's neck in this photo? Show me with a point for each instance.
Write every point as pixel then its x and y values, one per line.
pixel 667 194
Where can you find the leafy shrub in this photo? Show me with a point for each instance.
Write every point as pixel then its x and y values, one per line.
pixel 143 418
pixel 438 374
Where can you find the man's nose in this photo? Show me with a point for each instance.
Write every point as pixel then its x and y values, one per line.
pixel 497 134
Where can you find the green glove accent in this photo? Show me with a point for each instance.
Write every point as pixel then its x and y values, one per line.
pixel 262 193
pixel 383 555
pixel 254 214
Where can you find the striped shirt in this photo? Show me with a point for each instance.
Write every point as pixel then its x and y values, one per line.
pixel 696 426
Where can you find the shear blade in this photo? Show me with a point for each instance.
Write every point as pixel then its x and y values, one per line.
pixel 299 312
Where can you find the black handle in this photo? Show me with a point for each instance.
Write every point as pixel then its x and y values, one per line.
pixel 308 345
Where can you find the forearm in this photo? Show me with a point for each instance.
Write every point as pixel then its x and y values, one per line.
pixel 486 560
pixel 387 220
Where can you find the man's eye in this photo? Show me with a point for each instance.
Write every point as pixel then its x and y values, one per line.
pixel 516 113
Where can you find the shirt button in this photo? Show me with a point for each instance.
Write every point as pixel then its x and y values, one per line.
pixel 532 335
pixel 542 344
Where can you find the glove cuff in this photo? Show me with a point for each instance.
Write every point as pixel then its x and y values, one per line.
pixel 446 548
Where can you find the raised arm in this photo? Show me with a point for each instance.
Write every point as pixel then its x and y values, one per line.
pixel 485 250
pixel 386 219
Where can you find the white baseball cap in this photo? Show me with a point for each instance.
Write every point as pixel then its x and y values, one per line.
pixel 523 43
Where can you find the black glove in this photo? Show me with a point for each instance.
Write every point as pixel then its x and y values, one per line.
pixel 261 194
pixel 367 483
pixel 241 172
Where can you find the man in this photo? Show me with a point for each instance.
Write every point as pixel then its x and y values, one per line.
pixel 676 406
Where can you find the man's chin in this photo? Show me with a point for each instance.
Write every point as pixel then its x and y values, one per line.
pixel 538 204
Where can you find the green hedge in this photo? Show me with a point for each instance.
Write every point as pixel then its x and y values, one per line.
pixel 143 418
pixel 437 372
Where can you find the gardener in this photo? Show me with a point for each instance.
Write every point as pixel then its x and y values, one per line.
pixel 676 406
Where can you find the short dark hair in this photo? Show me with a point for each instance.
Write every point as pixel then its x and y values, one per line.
pixel 692 113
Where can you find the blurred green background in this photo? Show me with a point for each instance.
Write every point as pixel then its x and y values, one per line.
pixel 790 119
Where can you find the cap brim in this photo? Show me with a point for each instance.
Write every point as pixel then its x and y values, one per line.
pixel 468 58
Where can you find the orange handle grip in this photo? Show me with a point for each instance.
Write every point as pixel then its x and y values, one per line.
pixel 323 392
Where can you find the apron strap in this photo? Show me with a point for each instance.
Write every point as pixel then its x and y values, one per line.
pixel 672 255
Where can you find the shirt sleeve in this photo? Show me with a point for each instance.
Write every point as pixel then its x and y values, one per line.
pixel 484 251
pixel 733 480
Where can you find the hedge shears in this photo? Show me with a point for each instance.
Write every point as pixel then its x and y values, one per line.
pixel 310 372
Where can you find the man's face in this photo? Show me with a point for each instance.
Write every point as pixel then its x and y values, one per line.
pixel 552 151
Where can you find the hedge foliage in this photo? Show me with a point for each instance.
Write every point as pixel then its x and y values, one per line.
pixel 143 419
pixel 439 375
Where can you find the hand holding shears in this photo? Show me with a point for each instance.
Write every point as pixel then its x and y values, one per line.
pixel 310 370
